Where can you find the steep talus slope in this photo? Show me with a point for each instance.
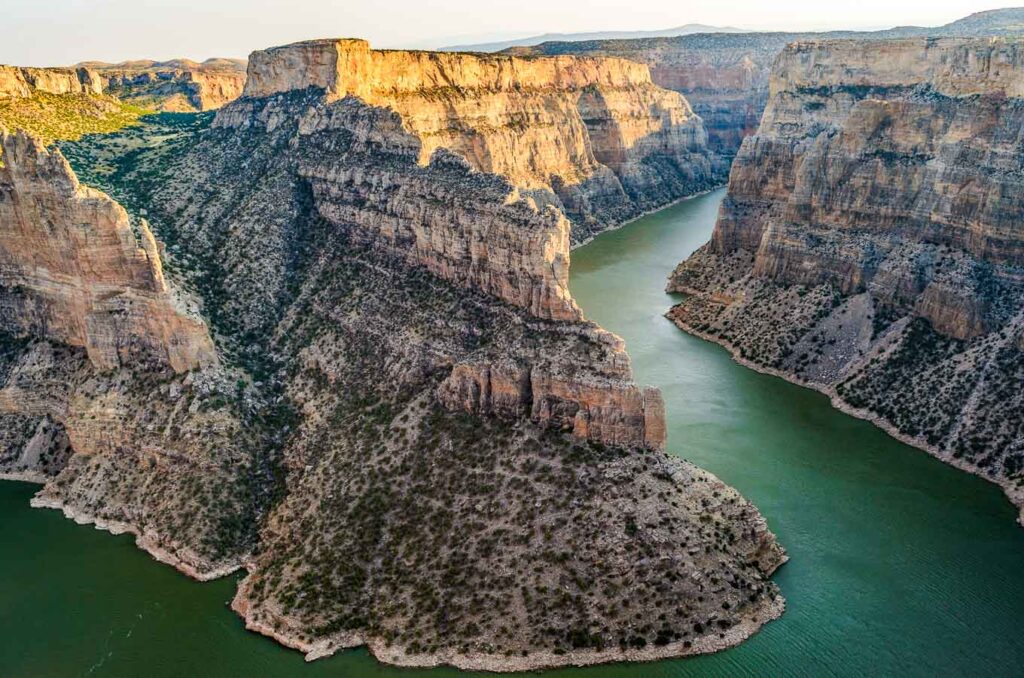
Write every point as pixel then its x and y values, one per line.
pixel 593 137
pixel 725 75
pixel 413 439
pixel 870 244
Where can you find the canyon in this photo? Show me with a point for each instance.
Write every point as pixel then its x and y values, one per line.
pixel 318 329
pixel 725 75
pixel 869 245
pixel 351 363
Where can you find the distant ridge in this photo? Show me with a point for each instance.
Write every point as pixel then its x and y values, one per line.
pixel 686 29
pixel 1009 20
pixel 215 63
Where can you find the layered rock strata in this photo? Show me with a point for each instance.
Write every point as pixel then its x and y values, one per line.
pixel 457 467
pixel 870 242
pixel 725 76
pixel 594 137
pixel 73 270
pixel 110 393
pixel 180 85
pixel 18 81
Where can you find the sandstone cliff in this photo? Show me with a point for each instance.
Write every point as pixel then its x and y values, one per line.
pixel 72 270
pixel 870 242
pixel 451 465
pixel 725 75
pixel 22 82
pixel 109 392
pixel 180 85
pixel 594 137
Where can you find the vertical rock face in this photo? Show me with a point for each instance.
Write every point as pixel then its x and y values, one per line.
pixel 20 82
pixel 72 270
pixel 593 136
pixel 362 170
pixel 471 229
pixel 871 243
pixel 725 76
pixel 109 393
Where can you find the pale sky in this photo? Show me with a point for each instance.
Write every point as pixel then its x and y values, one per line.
pixel 59 32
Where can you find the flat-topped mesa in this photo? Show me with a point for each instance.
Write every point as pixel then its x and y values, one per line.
pixel 16 81
pixel 895 114
pixel 350 67
pixel 953 67
pixel 72 269
pixel 594 136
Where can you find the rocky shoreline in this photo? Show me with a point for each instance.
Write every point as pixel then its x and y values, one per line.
pixel 181 560
pixel 647 213
pixel 194 568
pixel 288 636
pixel 1013 494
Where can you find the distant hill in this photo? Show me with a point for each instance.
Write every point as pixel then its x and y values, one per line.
pixel 686 29
pixel 994 21
pixel 175 85
pixel 1009 20
pixel 213 64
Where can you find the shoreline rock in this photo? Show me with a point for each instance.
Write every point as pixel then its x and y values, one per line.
pixel 1014 495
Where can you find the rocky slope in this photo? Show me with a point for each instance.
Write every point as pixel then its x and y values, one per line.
pixel 99 287
pixel 177 86
pixel 870 242
pixel 109 392
pixel 725 75
pixel 413 440
pixel 593 137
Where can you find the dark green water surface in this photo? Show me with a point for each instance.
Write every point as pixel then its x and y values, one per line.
pixel 899 564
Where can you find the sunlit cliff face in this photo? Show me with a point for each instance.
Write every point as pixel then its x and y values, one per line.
pixel 543 123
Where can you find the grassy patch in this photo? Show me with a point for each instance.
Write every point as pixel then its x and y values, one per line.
pixel 67 116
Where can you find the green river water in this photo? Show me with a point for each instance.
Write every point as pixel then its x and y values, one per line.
pixel 899 564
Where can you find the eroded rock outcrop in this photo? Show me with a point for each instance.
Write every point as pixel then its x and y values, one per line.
pixel 180 85
pixel 725 76
pixel 871 245
pixel 458 457
pixel 72 269
pixel 18 81
pixel 594 137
